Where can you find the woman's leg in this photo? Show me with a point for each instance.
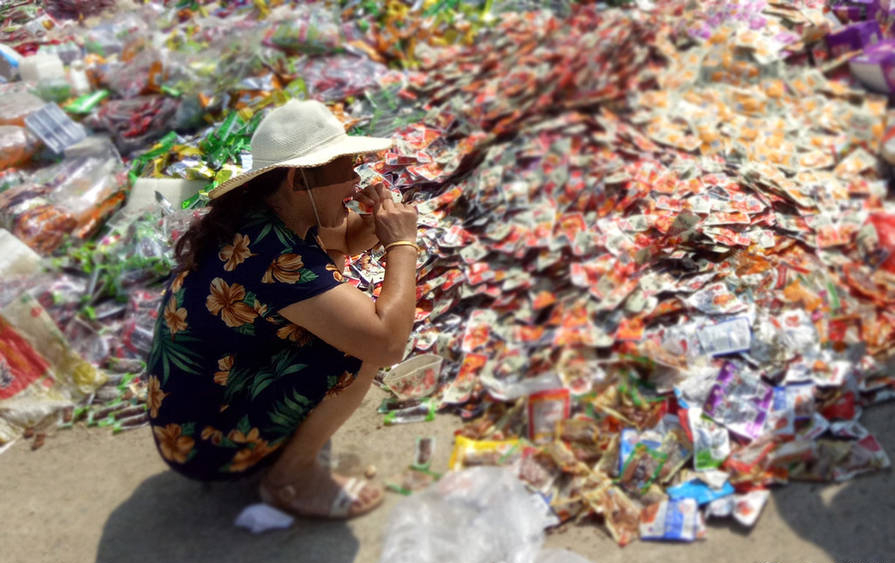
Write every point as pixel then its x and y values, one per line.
pixel 297 465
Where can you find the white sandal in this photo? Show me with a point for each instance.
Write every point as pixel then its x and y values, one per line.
pixel 340 509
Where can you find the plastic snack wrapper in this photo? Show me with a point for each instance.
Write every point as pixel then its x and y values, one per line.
pixel 711 443
pixel 700 492
pixel 621 514
pixel 17 103
pixel 423 452
pixel 673 520
pixel 545 410
pixel 17 146
pixel 740 401
pixel 641 468
pixel 424 411
pixel 467 453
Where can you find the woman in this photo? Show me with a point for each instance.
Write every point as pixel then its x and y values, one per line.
pixel 261 352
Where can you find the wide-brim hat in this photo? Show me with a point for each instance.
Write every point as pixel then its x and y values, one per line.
pixel 299 135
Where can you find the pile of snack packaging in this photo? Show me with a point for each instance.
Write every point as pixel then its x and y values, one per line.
pixel 657 274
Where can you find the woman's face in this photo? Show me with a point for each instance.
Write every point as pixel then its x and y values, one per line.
pixel 330 185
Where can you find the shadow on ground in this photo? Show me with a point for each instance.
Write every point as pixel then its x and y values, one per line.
pixel 170 518
pixel 851 521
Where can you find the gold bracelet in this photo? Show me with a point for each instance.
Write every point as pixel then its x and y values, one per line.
pixel 402 243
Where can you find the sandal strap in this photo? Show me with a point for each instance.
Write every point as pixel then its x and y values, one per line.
pixel 348 494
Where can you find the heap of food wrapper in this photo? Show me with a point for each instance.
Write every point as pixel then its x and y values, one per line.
pixel 658 260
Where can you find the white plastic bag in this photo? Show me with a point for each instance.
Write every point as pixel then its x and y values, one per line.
pixel 479 515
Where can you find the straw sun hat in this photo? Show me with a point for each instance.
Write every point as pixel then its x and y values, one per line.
pixel 299 135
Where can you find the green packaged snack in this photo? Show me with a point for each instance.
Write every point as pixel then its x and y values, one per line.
pixel 86 103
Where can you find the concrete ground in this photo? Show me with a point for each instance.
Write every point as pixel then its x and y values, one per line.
pixel 88 495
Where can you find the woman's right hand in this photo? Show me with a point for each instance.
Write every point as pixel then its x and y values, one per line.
pixel 394 221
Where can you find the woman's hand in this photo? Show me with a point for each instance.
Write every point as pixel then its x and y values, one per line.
pixel 394 221
pixel 360 235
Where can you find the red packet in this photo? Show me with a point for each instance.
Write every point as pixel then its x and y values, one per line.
pixel 545 410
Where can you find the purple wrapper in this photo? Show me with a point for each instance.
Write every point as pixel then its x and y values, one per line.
pixel 739 401
pixel 875 67
pixel 854 37
pixel 856 10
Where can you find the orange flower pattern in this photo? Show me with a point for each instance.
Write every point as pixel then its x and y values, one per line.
pixel 175 317
pixel 294 333
pixel 177 284
pixel 343 382
pixel 248 457
pixel 213 434
pixel 154 396
pixel 172 443
pixel 228 301
pixel 285 268
pixel 225 364
pixel 232 255
pixel 237 436
pixel 337 275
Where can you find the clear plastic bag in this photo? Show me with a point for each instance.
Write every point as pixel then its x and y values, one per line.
pixel 17 103
pixel 478 515
pixel 17 146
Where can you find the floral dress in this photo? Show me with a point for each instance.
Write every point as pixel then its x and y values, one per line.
pixel 230 379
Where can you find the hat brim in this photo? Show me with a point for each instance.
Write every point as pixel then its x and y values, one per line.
pixel 342 146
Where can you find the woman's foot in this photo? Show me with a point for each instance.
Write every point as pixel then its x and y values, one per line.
pixel 320 493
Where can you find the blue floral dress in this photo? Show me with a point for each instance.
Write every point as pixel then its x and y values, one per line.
pixel 230 379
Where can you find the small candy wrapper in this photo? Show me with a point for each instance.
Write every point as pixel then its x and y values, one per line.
pixel 700 492
pixel 545 410
pixel 674 520
pixel 711 442
pixel 422 412
pixel 260 517
pixel 740 401
pixel 423 452
pixel 727 337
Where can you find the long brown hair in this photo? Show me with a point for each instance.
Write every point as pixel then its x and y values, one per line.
pixel 224 216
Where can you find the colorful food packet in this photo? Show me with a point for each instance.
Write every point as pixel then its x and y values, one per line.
pixel 468 453
pixel 678 448
pixel 673 520
pixel 726 337
pixel 545 410
pixel 711 442
pixel 699 491
pixel 641 468
pixel 740 401
pixel 620 513
pixel 540 471
pixel 422 412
